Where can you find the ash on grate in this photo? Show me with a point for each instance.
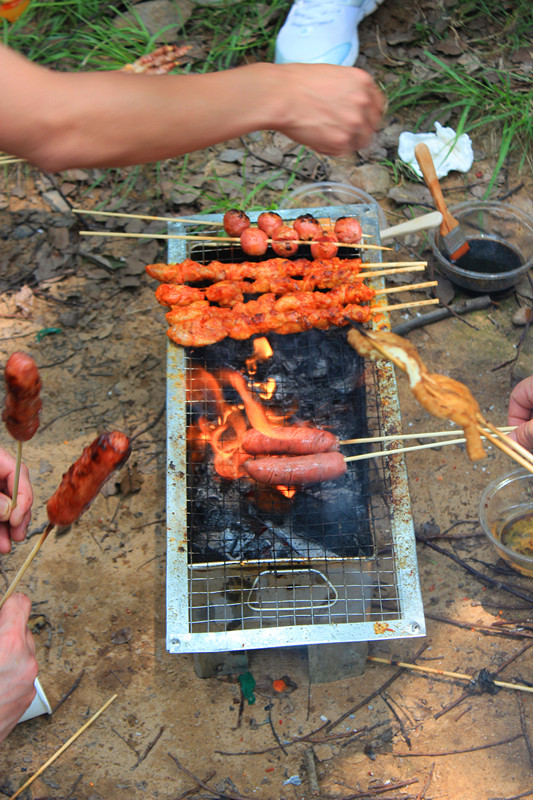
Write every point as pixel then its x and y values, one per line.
pixel 320 381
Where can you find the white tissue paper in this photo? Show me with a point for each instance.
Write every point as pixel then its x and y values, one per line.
pixel 449 151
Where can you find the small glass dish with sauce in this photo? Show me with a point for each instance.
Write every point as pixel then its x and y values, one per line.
pixel 500 236
pixel 506 516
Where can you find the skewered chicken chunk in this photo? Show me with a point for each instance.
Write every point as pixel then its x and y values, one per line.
pixel 442 396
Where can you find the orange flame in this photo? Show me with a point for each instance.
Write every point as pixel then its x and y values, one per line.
pixel 262 352
pixel 224 425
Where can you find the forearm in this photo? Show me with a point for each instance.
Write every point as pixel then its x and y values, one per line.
pixel 61 120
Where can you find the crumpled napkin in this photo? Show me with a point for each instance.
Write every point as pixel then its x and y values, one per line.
pixel 449 151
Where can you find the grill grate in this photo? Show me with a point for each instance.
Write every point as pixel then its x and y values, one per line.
pixel 249 567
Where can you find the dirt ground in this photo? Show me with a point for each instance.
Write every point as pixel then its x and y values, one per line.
pixel 98 591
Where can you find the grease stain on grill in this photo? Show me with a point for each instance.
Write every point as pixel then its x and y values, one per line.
pixel 319 380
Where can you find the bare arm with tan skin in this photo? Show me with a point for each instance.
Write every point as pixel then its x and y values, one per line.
pixel 521 413
pixel 58 120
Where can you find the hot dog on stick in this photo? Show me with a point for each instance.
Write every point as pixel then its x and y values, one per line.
pixel 78 488
pixel 22 405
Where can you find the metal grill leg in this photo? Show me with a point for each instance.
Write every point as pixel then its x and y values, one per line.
pixel 332 662
pixel 208 664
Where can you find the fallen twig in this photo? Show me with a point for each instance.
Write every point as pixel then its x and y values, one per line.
pixel 524 728
pixel 459 752
pixel 456 309
pixel 69 692
pixel 479 575
pixel 149 747
pixel 224 795
pixel 420 795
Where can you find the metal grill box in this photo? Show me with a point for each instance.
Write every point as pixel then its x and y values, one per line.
pixel 338 564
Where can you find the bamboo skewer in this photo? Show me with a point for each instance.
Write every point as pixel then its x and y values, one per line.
pixel 188 220
pixel 186 237
pixel 407 288
pixel 396 450
pixel 20 574
pixel 506 445
pixel 64 747
pixel 399 306
pixel 17 475
pixel 517 686
pixel 422 435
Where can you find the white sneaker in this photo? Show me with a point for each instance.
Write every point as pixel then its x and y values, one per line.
pixel 322 32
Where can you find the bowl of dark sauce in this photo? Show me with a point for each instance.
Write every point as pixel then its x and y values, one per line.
pixel 500 237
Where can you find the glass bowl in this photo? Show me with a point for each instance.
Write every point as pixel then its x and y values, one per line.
pixel 501 242
pixel 506 516
pixel 332 193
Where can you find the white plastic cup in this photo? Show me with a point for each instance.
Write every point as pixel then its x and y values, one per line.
pixel 39 705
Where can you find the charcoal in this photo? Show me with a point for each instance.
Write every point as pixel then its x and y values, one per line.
pixel 319 381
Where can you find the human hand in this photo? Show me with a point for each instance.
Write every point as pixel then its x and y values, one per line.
pixel 334 110
pixel 18 665
pixel 13 524
pixel 520 413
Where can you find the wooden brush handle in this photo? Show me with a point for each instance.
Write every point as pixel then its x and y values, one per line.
pixel 427 167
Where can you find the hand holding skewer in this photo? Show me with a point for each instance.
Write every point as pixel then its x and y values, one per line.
pixel 22 405
pixel 14 521
pixel 78 488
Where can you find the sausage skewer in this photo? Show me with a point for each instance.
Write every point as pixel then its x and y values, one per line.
pixel 22 405
pixel 78 488
pixel 191 237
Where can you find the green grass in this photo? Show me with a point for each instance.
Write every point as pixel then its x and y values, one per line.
pixel 498 100
pixel 490 100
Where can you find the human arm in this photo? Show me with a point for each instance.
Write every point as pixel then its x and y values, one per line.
pixel 13 523
pixel 520 413
pixel 18 665
pixel 58 120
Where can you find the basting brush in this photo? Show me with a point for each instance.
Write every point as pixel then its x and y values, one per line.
pixel 452 235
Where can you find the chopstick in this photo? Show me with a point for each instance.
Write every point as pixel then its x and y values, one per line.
pixel 124 235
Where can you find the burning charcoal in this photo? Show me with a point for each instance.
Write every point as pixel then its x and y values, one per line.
pixel 318 381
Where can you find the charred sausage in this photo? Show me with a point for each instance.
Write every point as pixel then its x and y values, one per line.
pixel 297 470
pixel 269 222
pixel 324 245
pixel 293 440
pixel 23 402
pixel 84 479
pixel 348 230
pixel 235 222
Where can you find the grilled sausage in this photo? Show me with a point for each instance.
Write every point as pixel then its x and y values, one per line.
pixel 269 222
pixel 324 245
pixel 284 241
pixel 307 227
pixel 23 402
pixel 297 470
pixel 348 230
pixel 292 440
pixel 235 222
pixel 254 242
pixel 84 479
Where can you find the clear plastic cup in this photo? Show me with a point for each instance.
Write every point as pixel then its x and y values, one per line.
pixel 332 193
pixel 39 705
pixel 506 504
